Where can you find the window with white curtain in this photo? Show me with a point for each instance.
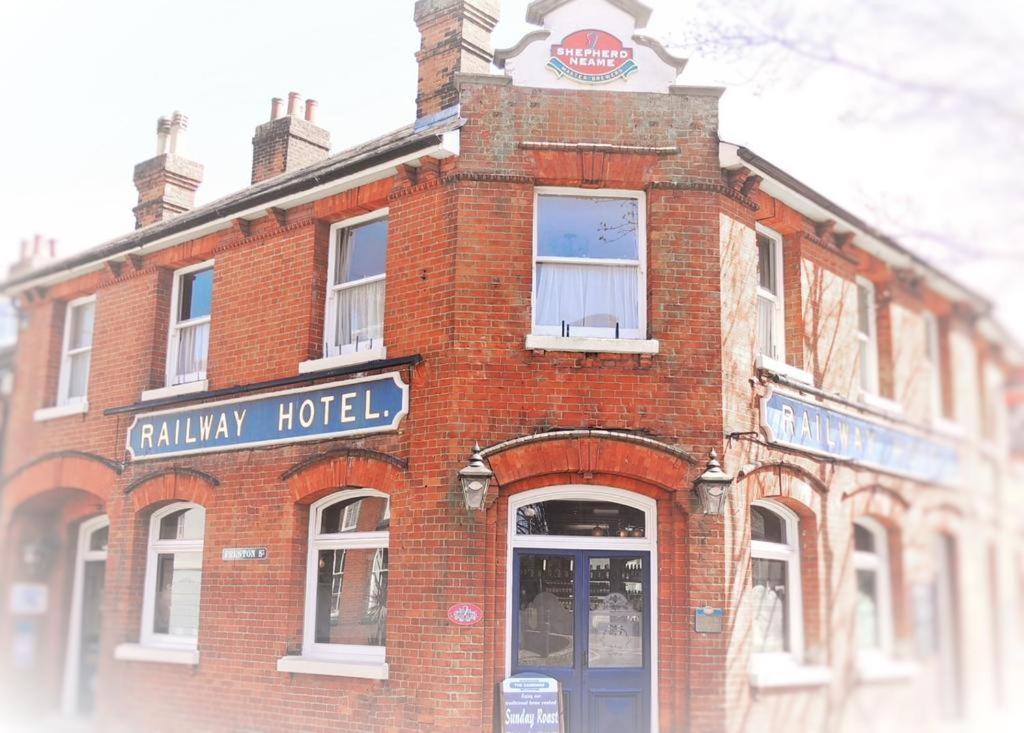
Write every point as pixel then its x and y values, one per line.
pixel 357 264
pixel 346 578
pixel 874 588
pixel 76 353
pixel 770 315
pixel 775 593
pixel 867 336
pixel 174 573
pixel 189 342
pixel 589 276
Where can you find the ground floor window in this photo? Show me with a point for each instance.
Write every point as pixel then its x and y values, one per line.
pixel 347 577
pixel 775 582
pixel 174 571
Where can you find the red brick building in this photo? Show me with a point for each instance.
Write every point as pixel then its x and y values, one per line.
pixel 233 483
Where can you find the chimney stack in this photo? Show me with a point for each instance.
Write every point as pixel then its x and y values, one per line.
pixel 167 182
pixel 34 254
pixel 289 142
pixel 455 36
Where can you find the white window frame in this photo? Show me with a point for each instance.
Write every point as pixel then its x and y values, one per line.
pixel 339 356
pixel 594 334
pixel 311 649
pixel 173 379
pixel 777 298
pixel 867 342
pixel 72 657
pixel 155 547
pixel 790 554
pixel 878 563
pixel 64 381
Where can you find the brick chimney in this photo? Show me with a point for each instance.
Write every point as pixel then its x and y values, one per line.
pixel 455 36
pixel 166 183
pixel 34 254
pixel 289 141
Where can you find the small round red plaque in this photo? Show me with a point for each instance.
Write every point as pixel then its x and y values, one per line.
pixel 465 614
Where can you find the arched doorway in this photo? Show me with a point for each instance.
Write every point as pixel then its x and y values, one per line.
pixel 582 599
pixel 78 696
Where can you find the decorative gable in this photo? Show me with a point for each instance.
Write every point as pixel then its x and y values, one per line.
pixel 590 44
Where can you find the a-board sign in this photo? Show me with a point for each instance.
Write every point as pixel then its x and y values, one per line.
pixel 531 705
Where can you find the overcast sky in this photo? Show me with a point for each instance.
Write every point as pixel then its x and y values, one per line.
pixel 84 82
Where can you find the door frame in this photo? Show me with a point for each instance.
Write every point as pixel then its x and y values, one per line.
pixel 647 543
pixel 73 653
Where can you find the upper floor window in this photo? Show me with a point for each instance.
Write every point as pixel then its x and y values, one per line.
pixel 76 352
pixel 874 587
pixel 770 316
pixel 189 342
pixel 355 291
pixel 347 578
pixel 589 278
pixel 775 582
pixel 174 570
pixel 933 358
pixel 867 336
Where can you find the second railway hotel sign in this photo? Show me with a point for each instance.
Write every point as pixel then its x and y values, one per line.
pixel 354 407
pixel 804 424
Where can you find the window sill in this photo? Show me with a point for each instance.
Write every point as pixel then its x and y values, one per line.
pixel 881 404
pixel 884 669
pixel 333 668
pixel 783 369
pixel 52 413
pixel 175 390
pixel 788 675
pixel 140 653
pixel 542 342
pixel 343 360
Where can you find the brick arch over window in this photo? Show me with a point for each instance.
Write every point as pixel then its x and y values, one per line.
pixel 606 458
pixel 61 470
pixel 173 484
pixel 320 475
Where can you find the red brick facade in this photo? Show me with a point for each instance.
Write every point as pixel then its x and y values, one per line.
pixel 459 282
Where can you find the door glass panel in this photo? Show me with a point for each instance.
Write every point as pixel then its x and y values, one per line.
pixel 546 611
pixel 89 652
pixel 580 519
pixel 616 624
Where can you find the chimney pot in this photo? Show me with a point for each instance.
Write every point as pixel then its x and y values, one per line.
pixel 290 141
pixel 311 110
pixel 293 103
pixel 275 107
pixel 163 131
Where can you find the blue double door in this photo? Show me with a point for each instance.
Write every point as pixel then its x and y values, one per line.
pixel 583 618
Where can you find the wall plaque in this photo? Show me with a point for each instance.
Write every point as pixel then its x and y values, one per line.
pixel 243 553
pixel 709 620
pixel 465 614
pixel 355 407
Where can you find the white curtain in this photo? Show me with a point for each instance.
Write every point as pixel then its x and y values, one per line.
pixel 193 346
pixel 359 316
pixel 593 296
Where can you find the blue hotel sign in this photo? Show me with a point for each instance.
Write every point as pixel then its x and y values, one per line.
pixel 804 424
pixel 355 407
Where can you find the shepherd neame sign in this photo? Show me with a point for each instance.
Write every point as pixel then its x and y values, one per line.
pixel 355 407
pixel 806 425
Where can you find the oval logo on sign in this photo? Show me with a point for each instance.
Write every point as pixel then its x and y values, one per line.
pixel 465 614
pixel 591 57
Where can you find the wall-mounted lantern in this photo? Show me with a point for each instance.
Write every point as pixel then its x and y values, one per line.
pixel 712 487
pixel 475 479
